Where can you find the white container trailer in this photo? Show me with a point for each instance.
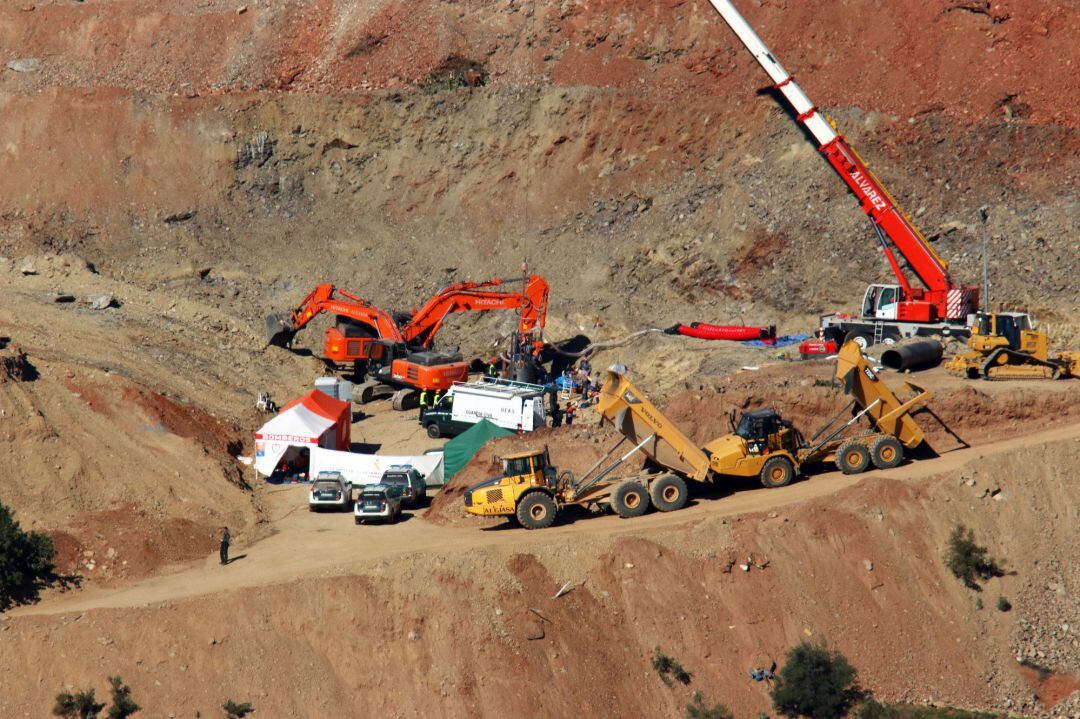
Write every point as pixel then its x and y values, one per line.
pixel 511 405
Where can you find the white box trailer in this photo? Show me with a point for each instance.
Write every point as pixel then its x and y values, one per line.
pixel 511 405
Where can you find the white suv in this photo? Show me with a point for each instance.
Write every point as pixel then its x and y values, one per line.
pixel 330 490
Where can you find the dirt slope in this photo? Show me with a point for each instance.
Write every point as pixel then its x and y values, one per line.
pixel 631 595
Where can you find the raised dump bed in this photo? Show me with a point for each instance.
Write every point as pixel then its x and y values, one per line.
pixel 761 444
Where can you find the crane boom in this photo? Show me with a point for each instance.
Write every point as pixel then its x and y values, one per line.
pixel 939 298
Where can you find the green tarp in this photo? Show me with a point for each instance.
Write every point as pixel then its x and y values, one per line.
pixel 459 450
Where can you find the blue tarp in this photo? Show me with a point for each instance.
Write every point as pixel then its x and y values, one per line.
pixel 782 341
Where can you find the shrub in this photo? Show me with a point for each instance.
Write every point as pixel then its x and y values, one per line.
pixel 237 711
pixel 80 705
pixel 872 709
pixel 669 668
pixel 26 561
pixel 697 709
pixel 816 683
pixel 123 705
pixel 968 561
pixel 1003 604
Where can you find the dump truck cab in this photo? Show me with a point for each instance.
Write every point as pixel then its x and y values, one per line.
pixel 523 473
pixel 766 431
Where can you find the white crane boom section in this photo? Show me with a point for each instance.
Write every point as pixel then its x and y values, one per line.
pixel 784 81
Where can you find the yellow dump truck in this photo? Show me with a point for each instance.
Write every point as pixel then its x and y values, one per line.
pixel 762 444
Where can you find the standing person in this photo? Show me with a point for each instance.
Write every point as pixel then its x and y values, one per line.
pixel 586 366
pixel 570 415
pixel 586 386
pixel 226 538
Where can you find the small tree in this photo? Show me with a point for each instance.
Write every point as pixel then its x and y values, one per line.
pixel 668 668
pixel 237 711
pixel 968 561
pixel 697 709
pixel 1003 604
pixel 816 683
pixel 26 560
pixel 123 705
pixel 80 705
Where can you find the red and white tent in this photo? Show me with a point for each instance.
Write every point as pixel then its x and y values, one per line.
pixel 314 420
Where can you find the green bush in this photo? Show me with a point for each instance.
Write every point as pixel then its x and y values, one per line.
pixel 123 705
pixel 968 561
pixel 872 709
pixel 697 709
pixel 237 711
pixel 815 683
pixel 668 668
pixel 26 561
pixel 80 705
pixel 1003 604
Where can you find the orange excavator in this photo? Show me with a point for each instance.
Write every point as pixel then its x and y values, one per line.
pixel 398 359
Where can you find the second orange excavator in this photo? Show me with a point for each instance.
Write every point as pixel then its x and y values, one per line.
pixel 396 354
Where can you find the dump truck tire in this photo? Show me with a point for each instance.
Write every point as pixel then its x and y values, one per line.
pixel 433 431
pixel 886 452
pixel 668 493
pixel 853 458
pixel 536 510
pixel 629 499
pixel 777 472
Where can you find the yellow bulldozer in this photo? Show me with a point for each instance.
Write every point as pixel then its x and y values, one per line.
pixel 1004 345
pixel 761 444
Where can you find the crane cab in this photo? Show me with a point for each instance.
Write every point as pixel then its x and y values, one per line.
pixel 881 302
pixel 887 302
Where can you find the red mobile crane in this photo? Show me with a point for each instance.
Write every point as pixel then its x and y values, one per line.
pixel 889 312
pixel 399 360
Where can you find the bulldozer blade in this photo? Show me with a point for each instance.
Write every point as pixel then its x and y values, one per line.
pixel 279 330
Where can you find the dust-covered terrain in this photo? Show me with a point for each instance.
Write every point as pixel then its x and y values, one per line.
pixel 172 172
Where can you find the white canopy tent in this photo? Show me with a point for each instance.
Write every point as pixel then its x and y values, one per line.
pixel 297 426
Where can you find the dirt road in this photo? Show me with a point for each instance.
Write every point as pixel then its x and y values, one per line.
pixel 307 545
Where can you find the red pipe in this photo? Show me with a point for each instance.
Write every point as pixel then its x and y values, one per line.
pixel 738 333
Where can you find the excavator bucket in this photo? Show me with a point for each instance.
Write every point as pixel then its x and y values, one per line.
pixel 279 330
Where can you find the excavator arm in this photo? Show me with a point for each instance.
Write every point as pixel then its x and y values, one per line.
pixel 475 297
pixel 281 328
pixel 939 297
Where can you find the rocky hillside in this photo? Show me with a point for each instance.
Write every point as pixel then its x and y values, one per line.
pixel 623 149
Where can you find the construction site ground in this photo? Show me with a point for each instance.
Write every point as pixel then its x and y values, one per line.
pixel 170 173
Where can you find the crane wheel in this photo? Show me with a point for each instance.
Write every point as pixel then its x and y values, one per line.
pixel 536 510
pixel 777 472
pixel 860 338
pixel 886 452
pixel 629 499
pixel 433 431
pixel 668 493
pixel 853 458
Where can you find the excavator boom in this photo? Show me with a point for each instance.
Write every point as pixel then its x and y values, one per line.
pixel 479 296
pixel 281 328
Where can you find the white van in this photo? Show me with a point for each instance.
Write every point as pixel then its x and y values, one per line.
pixel 511 405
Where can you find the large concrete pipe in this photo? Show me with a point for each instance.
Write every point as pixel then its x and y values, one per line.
pixel 912 354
